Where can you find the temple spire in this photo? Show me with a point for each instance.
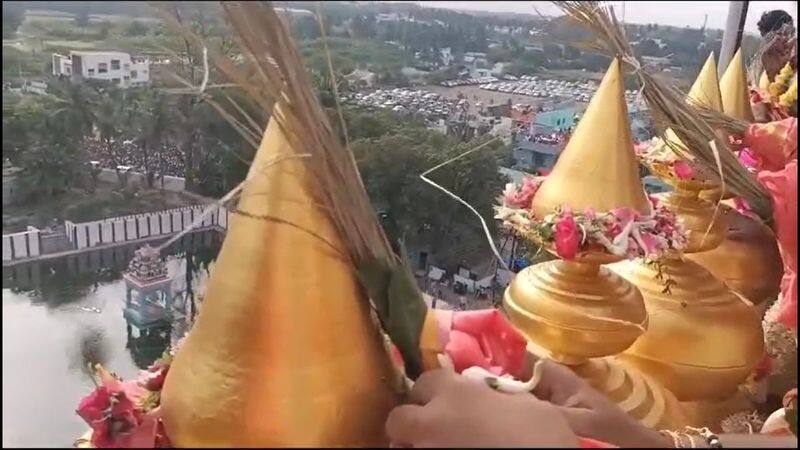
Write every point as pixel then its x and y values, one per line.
pixel 598 168
pixel 734 90
pixel 705 90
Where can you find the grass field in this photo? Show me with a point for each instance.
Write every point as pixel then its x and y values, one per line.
pixel 348 54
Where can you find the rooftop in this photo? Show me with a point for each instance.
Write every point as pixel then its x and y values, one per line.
pixel 539 147
pixel 96 52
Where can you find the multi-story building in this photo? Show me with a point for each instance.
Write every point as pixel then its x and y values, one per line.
pixel 117 67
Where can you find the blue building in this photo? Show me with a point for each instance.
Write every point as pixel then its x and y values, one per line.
pixel 533 156
pixel 561 116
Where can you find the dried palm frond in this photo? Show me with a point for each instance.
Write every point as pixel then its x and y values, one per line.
pixel 722 121
pixel 701 143
pixel 273 77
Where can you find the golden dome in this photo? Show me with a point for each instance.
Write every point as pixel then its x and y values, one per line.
pixel 703 339
pixel 274 359
pixel 747 260
pixel 574 311
pixel 734 89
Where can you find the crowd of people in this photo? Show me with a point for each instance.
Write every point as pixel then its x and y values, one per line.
pixel 167 159
pixel 550 139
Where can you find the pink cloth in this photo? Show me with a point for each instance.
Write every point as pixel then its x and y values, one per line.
pixel 782 185
pixel 774 145
pixel 591 443
pixel 482 338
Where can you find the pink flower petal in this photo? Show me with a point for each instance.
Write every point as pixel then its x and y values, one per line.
pixel 683 170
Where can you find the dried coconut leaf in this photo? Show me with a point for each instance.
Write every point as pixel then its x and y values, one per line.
pixel 668 107
pixel 272 73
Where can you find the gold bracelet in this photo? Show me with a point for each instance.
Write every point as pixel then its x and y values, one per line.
pixel 712 440
pixel 677 439
pixel 672 435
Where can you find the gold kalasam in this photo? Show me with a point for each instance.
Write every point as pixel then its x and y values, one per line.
pixel 703 339
pixel 734 89
pixel 283 352
pixel 578 312
pixel 575 311
pixel 747 259
pixel 705 227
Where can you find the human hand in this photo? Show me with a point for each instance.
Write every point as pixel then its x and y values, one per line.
pixel 448 410
pixel 589 413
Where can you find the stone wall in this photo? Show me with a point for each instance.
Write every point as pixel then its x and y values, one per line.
pixel 22 245
pixel 115 230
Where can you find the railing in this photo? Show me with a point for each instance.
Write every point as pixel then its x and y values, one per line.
pixel 115 230
pixel 24 244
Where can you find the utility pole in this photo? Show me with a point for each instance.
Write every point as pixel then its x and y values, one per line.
pixel 734 27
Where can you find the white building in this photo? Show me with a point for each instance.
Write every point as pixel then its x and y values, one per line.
pixel 117 67
pixel 447 56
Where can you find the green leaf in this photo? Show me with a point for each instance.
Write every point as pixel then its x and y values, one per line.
pixel 399 305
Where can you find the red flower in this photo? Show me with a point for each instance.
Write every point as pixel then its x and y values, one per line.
pixel 112 413
pixel 683 170
pixel 568 238
pixel 763 368
pixel 153 380
pixel 522 197
pixel 486 339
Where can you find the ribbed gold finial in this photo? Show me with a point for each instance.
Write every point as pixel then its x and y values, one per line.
pixel 598 168
pixel 734 90
pixel 705 90
pixel 283 352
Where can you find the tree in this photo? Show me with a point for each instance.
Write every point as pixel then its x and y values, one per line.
pixel 136 28
pixel 411 209
pixel 82 15
pixel 648 47
pixel 74 110
pixel 13 15
pixel 50 160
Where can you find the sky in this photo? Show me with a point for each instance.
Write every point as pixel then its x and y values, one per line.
pixel 676 13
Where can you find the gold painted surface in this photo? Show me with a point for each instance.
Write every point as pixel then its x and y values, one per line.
pixel 283 352
pixel 747 260
pixel 763 81
pixel 634 392
pixel 703 340
pixel 575 311
pixel 705 90
pixel 705 229
pixel 711 413
pixel 734 89
pixel 598 168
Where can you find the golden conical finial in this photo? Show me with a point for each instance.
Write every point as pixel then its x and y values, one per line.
pixel 763 81
pixel 598 168
pixel 734 90
pixel 705 90
pixel 283 352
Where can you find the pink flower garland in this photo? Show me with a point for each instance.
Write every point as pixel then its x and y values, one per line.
pixel 622 231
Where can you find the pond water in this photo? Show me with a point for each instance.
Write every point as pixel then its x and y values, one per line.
pixel 61 313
